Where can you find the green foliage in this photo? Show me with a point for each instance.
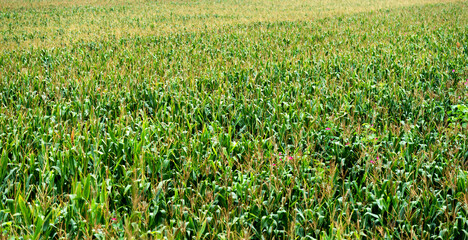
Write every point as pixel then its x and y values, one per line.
pixel 460 114
pixel 344 127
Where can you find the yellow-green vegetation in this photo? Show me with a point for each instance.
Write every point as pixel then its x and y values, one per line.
pixel 61 23
pixel 234 119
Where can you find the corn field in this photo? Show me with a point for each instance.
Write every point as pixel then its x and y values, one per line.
pixel 227 119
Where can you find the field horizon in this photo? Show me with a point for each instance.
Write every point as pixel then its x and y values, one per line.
pixel 61 23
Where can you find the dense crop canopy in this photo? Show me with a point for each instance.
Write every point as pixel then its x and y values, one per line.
pixel 352 126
